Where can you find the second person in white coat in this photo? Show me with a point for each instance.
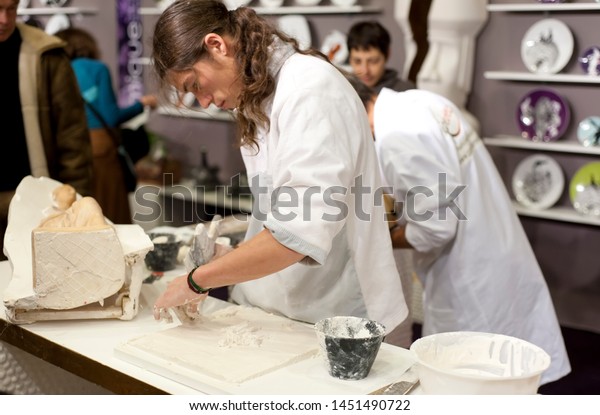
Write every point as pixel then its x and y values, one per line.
pixel 471 253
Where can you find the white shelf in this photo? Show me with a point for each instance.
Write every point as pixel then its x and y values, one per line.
pixel 211 113
pixel 560 147
pixel 291 10
pixel 46 11
pixel 533 7
pixel 536 77
pixel 559 213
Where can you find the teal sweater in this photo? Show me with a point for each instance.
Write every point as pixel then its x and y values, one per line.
pixel 96 88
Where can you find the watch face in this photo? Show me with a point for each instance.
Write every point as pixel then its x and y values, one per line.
pixel 588 131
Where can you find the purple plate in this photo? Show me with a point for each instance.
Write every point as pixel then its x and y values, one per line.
pixel 590 61
pixel 543 115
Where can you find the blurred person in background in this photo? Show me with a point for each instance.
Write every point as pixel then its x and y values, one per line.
pixel 44 130
pixel 369 48
pixel 103 117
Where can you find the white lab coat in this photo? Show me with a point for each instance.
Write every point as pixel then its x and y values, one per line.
pixel 320 139
pixel 479 274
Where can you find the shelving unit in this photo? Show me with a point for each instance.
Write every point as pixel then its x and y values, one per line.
pixel 559 213
pixel 292 10
pixel 560 147
pixel 540 77
pixel 47 11
pixel 543 7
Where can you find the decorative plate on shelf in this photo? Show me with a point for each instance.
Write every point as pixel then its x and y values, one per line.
pixel 538 182
pixel 296 26
pixel 53 3
pixel 335 47
pixel 584 189
pixel 588 131
pixel 590 61
pixel 57 23
pixel 547 46
pixel 543 115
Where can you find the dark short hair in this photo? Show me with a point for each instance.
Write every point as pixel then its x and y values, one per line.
pixel 80 43
pixel 369 34
pixel 364 92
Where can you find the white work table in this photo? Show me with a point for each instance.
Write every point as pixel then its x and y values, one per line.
pixel 86 348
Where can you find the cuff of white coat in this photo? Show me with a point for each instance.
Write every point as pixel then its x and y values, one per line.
pixel 314 255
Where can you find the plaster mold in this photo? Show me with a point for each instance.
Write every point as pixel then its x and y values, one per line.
pixel 70 264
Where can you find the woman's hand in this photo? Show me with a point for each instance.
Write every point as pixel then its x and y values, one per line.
pixel 149 101
pixel 178 293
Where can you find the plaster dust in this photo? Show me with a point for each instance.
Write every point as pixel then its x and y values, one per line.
pixel 235 344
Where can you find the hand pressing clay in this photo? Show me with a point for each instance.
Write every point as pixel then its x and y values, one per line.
pixel 85 212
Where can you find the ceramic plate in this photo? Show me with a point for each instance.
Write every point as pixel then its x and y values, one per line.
pixel 271 3
pixel 53 3
pixel 588 131
pixel 547 46
pixel 57 23
pixel 296 26
pixel 584 189
pixel 543 115
pixel 307 2
pixel 538 182
pixel 343 3
pixel 335 47
pixel 590 61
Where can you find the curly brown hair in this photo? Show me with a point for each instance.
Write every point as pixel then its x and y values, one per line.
pixel 177 46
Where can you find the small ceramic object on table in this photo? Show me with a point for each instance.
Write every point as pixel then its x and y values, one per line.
pixel 543 115
pixel 590 61
pixel 349 345
pixel 584 190
pixel 164 255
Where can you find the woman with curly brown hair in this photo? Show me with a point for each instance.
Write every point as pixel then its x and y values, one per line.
pixel 318 243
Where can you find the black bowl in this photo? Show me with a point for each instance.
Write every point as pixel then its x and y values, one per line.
pixel 164 255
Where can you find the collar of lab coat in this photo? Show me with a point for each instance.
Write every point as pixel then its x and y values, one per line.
pixel 280 52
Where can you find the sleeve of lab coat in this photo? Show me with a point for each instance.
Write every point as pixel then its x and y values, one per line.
pixel 314 171
pixel 421 164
